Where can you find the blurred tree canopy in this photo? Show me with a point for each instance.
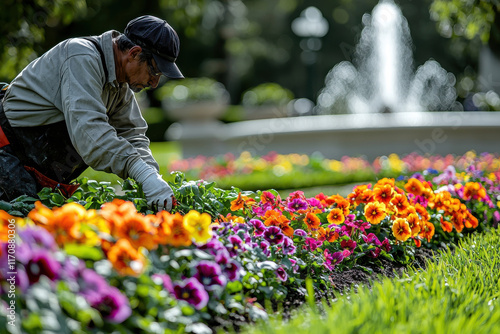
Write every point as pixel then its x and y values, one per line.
pixel 239 43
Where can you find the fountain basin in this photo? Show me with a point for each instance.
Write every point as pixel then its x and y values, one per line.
pixel 369 135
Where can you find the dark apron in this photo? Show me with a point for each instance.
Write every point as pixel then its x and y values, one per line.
pixel 37 157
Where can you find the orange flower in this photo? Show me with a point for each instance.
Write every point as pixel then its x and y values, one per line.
pixel 417 241
pixel 63 223
pixel 240 202
pixel 441 201
pixel 385 181
pixel 414 186
pixel 327 234
pixel 336 216
pixel 116 212
pixel 312 221
pixel 414 223
pixel 383 193
pixel 446 225
pixel 360 194
pixel 401 230
pixel 474 190
pixel 137 229
pixel 375 212
pixel 424 214
pixel 343 204
pixel 163 229
pixel 324 200
pixel 5 219
pixel 470 221
pixel 400 203
pixel 179 236
pixel 458 222
pixel 126 259
pixel 427 231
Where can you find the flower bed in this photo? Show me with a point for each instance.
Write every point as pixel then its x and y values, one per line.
pixel 293 171
pixel 101 262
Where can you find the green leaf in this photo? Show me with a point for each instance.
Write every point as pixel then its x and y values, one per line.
pixel 83 252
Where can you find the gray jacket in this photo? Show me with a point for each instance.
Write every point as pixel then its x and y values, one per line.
pixel 67 83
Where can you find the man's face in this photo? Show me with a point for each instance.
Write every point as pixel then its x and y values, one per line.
pixel 140 75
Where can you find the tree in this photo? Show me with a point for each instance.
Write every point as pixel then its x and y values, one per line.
pixel 22 31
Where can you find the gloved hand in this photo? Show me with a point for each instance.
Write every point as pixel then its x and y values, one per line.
pixel 158 193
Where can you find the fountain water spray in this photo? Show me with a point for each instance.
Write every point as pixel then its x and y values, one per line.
pixel 381 78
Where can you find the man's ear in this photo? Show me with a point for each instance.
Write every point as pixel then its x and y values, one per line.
pixel 134 52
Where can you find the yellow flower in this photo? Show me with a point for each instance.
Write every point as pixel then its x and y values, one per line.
pixel 198 225
pixel 401 229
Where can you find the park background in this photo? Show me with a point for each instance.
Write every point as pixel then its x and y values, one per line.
pixel 243 44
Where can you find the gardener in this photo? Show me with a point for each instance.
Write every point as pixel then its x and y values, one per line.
pixel 74 107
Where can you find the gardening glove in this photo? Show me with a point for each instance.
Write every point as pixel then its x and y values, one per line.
pixel 158 193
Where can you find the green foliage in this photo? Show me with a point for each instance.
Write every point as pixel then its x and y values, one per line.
pixel 191 90
pixel 467 19
pixel 267 94
pixel 23 29
pixel 458 293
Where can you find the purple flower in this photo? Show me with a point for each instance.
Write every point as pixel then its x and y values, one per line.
pixel 236 245
pixel 297 204
pixel 496 219
pixel 299 232
pixel 281 274
pixel 213 246
pixel 91 283
pixel 264 246
pixel 273 235
pixel 40 264
pixel 259 227
pixel 193 292
pixel 166 281
pixel 34 235
pixel 331 260
pixel 209 274
pixel 288 248
pixel 229 267
pixel 112 305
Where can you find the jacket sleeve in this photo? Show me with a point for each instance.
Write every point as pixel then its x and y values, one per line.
pixel 97 142
pixel 129 124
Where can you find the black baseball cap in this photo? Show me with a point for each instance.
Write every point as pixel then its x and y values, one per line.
pixel 156 35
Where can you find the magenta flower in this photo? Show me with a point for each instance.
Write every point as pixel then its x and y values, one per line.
pixel 229 267
pixel 42 263
pixel 273 235
pixel 91 284
pixel 264 246
pixel 259 227
pixel 281 274
pixel 297 204
pixel 371 239
pixel 350 244
pixel 213 246
pixel 295 266
pixel 288 248
pixel 331 260
pixel 314 202
pixel 236 245
pixel 386 245
pixel 112 305
pixel 374 253
pixel 209 274
pixel 496 219
pixel 166 281
pixel 193 292
pixel 313 244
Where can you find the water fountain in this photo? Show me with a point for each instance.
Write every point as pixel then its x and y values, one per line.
pixel 380 79
pixel 372 107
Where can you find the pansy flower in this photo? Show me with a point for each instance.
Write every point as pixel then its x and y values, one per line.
pixel 383 193
pixel 112 305
pixel 235 245
pixel 126 259
pixel 331 260
pixel 375 212
pixel 427 230
pixel 401 229
pixel 209 274
pixel 179 235
pixel 288 248
pixel 192 291
pixel 414 186
pixel 312 221
pixel 273 235
pixel 336 216
pixel 265 247
pixel 198 225
pixel 259 227
pixel 281 274
pixel 297 204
